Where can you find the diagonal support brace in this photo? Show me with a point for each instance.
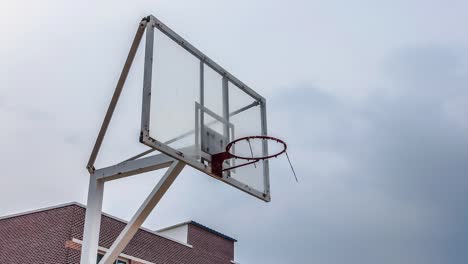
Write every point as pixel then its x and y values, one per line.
pixel 140 216
pixel 116 95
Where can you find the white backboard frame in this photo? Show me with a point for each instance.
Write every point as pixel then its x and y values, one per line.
pixel 205 61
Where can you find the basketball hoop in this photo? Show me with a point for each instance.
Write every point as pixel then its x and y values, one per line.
pixel 232 143
pixel 218 159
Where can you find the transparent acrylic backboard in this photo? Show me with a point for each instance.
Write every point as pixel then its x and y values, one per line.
pixel 192 108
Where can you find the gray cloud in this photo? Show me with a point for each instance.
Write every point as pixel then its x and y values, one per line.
pixel 401 198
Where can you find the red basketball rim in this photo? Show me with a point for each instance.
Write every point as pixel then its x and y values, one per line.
pixel 229 146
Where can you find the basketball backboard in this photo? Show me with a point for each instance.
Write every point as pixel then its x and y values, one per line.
pixel 193 107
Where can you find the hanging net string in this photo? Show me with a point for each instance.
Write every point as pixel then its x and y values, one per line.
pixel 290 164
pixel 251 152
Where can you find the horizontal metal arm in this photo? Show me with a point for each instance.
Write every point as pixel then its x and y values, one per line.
pixel 132 167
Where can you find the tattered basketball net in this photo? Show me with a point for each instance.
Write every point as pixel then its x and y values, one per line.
pixel 218 159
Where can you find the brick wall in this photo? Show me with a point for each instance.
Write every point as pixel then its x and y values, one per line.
pixel 36 238
pixel 46 237
pixel 210 244
pixel 148 246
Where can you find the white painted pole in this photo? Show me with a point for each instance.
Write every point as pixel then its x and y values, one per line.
pixel 92 221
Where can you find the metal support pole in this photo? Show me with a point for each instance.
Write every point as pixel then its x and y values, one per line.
pixel 140 216
pixel 96 186
pixel 92 221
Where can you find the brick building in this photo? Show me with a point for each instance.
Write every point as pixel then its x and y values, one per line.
pixel 55 234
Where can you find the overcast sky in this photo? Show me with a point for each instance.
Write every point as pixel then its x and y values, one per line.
pixel 371 96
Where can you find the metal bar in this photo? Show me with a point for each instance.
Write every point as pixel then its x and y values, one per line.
pixel 232 161
pixel 140 216
pixel 201 56
pixel 202 83
pixel 226 107
pixel 197 126
pixel 244 108
pixel 116 95
pixel 92 221
pixel 266 164
pixel 133 167
pixel 201 131
pixel 147 78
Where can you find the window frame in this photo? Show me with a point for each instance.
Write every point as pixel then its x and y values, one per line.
pixel 125 261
